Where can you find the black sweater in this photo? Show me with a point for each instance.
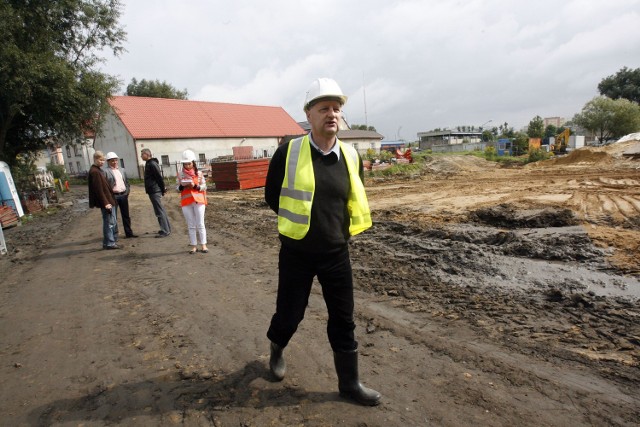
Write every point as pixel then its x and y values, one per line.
pixel 153 181
pixel 329 223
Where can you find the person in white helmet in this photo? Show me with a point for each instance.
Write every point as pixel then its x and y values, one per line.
pixel 193 199
pixel 315 184
pixel 117 179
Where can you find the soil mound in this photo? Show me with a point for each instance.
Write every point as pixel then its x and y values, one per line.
pixel 584 156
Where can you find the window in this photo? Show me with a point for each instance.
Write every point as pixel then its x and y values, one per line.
pixel 68 151
pixel 79 167
pixel 75 151
pixel 70 165
pixel 202 157
pixel 122 163
pixel 165 160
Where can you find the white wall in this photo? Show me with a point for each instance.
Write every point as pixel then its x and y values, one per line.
pixel 362 145
pixel 81 157
pixel 115 137
pixel 210 147
pixel 576 141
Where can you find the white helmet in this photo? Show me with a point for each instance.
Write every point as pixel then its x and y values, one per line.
pixel 188 156
pixel 324 88
pixel 111 155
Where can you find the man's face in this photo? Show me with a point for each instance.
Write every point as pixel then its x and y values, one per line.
pixel 113 163
pixel 99 162
pixel 324 118
pixel 144 156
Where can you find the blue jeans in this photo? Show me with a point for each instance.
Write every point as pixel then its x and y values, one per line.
pixel 161 214
pixel 109 226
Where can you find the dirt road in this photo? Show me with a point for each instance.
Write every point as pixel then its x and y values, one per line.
pixel 485 296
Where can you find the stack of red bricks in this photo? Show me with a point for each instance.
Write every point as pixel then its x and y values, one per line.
pixel 8 217
pixel 240 175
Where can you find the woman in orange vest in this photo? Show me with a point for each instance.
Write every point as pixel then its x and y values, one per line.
pixel 193 199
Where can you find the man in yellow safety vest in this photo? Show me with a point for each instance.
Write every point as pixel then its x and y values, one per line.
pixel 316 186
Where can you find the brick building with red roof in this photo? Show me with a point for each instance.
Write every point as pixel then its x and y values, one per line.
pixel 210 129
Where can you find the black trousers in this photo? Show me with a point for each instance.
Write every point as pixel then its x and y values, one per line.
pixel 123 204
pixel 296 272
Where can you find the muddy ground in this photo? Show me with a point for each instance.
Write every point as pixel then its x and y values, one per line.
pixel 485 295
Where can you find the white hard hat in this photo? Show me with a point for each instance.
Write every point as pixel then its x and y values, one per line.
pixel 111 155
pixel 324 88
pixel 188 156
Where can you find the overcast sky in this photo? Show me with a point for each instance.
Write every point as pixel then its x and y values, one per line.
pixel 407 66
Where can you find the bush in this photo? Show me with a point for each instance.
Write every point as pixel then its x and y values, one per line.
pixel 58 172
pixel 536 155
pixel 490 153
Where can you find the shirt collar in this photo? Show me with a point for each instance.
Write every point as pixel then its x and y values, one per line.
pixel 335 149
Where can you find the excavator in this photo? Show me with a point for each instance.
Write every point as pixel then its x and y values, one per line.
pixel 561 142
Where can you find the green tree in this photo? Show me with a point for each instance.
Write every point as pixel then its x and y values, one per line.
pixel 536 127
pixel 624 84
pixel 550 130
pixel 609 118
pixel 50 86
pixel 504 131
pixel 520 143
pixel 487 135
pixel 155 89
pixel 362 127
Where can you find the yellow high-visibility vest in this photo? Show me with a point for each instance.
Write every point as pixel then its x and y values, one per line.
pixel 298 186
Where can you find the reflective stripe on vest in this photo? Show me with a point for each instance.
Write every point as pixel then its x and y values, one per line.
pixel 298 186
pixel 189 195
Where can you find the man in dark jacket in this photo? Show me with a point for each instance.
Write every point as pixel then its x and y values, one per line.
pixel 100 197
pixel 155 188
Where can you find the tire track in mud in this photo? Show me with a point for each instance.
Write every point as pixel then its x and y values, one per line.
pixel 431 276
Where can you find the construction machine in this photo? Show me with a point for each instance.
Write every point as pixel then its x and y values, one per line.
pixel 561 141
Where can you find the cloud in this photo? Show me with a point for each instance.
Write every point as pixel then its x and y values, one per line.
pixel 418 64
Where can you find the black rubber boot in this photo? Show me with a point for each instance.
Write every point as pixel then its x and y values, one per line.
pixel 348 382
pixel 276 362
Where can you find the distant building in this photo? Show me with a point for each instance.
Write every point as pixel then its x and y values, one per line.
pixel 434 139
pixel 392 146
pixel 556 121
pixel 78 157
pixel 212 130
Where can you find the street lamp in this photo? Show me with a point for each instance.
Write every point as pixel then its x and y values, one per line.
pixel 482 125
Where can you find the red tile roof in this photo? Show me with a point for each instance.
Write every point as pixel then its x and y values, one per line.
pixel 159 118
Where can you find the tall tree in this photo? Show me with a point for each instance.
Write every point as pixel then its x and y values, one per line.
pixel 155 89
pixel 624 84
pixel 550 130
pixel 50 87
pixel 609 118
pixel 520 143
pixel 536 127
